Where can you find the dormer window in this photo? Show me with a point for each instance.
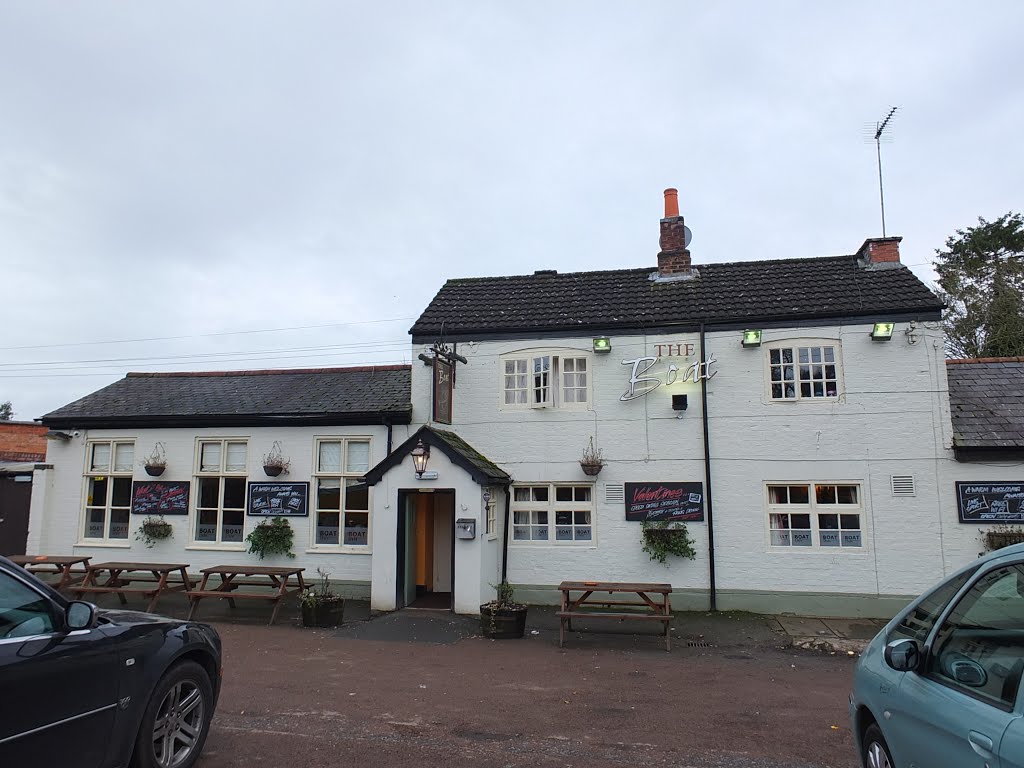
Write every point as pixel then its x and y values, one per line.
pixel 548 380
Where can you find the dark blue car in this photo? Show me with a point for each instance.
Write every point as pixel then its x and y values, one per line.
pixel 940 686
pixel 88 688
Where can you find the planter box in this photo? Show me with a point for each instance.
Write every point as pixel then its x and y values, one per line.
pixel 323 614
pixel 502 623
pixel 999 539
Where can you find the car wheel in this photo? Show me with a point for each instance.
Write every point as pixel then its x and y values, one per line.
pixel 876 751
pixel 176 720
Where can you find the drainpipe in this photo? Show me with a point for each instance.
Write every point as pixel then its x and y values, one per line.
pixel 388 423
pixel 707 474
pixel 504 543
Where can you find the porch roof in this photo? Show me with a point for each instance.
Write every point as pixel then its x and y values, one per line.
pixel 459 452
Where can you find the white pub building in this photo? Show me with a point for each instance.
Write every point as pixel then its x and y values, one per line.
pixel 795 414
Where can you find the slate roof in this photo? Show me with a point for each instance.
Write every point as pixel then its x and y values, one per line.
pixel 362 395
pixel 480 468
pixel 740 292
pixel 986 402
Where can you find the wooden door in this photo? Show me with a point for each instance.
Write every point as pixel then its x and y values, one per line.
pixel 15 499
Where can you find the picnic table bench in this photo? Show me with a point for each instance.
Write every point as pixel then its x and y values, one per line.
pixel 121 575
pixel 62 565
pixel 272 579
pixel 590 604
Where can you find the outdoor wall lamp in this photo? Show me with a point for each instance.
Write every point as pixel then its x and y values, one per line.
pixel 882 331
pixel 679 403
pixel 752 338
pixel 420 454
pixel 602 344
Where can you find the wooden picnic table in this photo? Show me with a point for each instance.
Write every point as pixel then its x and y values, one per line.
pixel 273 579
pixel 590 603
pixel 122 575
pixel 62 565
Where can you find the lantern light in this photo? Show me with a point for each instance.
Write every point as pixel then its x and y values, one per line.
pixel 420 454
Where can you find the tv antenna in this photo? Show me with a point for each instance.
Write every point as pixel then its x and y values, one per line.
pixel 877 134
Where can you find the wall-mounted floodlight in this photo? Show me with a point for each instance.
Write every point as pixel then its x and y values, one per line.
pixel 420 454
pixel 678 402
pixel 882 331
pixel 752 338
pixel 602 344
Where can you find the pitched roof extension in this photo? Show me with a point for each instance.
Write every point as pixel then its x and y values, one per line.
pixel 459 452
pixel 740 292
pixel 986 402
pixel 362 395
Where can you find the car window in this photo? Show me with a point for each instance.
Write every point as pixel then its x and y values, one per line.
pixel 23 611
pixel 917 623
pixel 980 647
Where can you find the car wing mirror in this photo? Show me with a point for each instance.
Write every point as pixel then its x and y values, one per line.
pixel 79 615
pixel 903 655
pixel 969 672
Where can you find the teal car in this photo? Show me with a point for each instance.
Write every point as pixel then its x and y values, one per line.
pixel 940 686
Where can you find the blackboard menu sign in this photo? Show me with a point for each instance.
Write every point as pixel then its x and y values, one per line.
pixel 665 501
pixel 160 497
pixel 279 499
pixel 990 502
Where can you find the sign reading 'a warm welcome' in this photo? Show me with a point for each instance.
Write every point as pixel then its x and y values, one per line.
pixel 665 501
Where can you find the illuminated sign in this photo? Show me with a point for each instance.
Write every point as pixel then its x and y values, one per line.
pixel 641 384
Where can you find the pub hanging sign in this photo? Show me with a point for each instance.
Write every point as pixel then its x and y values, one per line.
pixel 442 391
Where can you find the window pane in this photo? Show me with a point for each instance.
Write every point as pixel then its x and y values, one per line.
pixel 23 612
pixel 805 390
pixel 100 457
pixel 563 518
pixel 829 538
pixel 234 493
pixel 582 493
pixel 330 456
pixel 357 495
pixel 541 518
pixel 787 357
pixel 328 529
pixel 847 494
pixel 800 521
pixel 522 494
pixel 119 523
pixel 206 525
pixel 774 357
pixel 851 522
pixel 95 522
pixel 777 494
pixel 799 494
pixel 521 533
pixel 780 539
pixel 209 492
pixel 540 533
pixel 521 518
pixel 97 492
pixel 829 521
pixel 779 521
pixel 804 357
pixel 583 533
pixel 328 494
pixel 563 532
pixel 801 538
pixel 357 528
pixel 540 493
pixel 124 457
pixel 825 494
pixel 777 391
pixel 851 538
pixel 917 624
pixel 122 492
pixel 209 457
pixel 234 522
pixel 581 518
pixel 358 459
pixel 236 457
pixel 563 494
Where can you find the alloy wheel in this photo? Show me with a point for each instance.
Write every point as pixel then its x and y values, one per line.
pixel 877 757
pixel 178 724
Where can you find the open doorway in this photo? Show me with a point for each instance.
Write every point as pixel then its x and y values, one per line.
pixel 426 549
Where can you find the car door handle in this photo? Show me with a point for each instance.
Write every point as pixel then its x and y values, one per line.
pixel 981 743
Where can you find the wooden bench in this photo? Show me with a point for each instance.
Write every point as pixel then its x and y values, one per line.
pixel 588 604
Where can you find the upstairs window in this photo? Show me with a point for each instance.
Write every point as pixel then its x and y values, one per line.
pixel 545 381
pixel 810 372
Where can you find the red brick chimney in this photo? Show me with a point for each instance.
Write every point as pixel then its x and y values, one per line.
pixel 673 259
pixel 880 250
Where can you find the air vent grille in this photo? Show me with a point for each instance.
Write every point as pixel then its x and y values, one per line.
pixel 903 485
pixel 614 493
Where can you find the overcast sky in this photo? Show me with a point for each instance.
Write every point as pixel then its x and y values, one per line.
pixel 209 171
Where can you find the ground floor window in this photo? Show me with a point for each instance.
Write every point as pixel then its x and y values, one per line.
pixel 342 500
pixel 827 515
pixel 108 490
pixel 553 514
pixel 220 509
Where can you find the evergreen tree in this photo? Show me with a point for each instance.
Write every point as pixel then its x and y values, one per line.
pixel 6 411
pixel 981 279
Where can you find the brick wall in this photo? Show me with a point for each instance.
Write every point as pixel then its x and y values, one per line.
pixel 22 441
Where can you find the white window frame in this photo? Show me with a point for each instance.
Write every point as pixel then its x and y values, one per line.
pixel 815 510
pixel 554 387
pixel 795 346
pixel 342 475
pixel 221 473
pixel 491 518
pixel 111 473
pixel 552 507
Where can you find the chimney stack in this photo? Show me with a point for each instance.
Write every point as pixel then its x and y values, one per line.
pixel 674 258
pixel 880 251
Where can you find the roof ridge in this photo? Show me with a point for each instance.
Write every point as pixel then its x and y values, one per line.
pixel 969 360
pixel 264 372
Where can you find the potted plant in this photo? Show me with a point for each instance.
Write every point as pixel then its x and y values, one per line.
pixel 152 530
pixel 271 537
pixel 503 618
pixel 1003 535
pixel 274 463
pixel 156 462
pixel 321 607
pixel 662 538
pixel 591 461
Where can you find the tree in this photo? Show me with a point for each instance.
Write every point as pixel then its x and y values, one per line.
pixel 6 411
pixel 981 279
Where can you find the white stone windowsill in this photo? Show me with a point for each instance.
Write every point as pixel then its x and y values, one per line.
pixel 362 550
pixel 104 544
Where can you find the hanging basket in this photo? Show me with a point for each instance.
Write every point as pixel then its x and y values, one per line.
pixel 591 468
pixel 273 470
pixel 155 470
pixel 999 539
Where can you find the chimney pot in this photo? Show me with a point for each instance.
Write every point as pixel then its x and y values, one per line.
pixel 671 203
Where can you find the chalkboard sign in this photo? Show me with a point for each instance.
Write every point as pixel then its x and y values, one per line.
pixel 279 499
pixel 665 501
pixel 156 497
pixel 990 502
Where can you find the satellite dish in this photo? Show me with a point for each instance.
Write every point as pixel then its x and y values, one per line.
pixel 687 236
